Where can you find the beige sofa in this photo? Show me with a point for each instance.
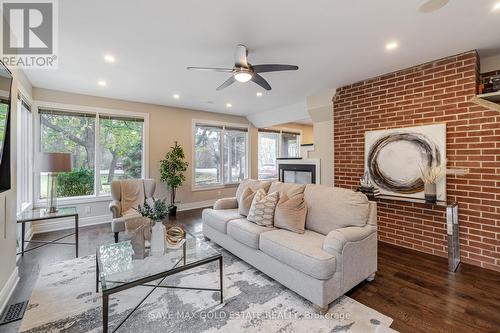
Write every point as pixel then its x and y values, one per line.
pixel 337 251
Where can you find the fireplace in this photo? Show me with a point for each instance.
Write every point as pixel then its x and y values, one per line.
pixel 298 171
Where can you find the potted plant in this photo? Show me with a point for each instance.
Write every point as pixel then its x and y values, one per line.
pixel 430 176
pixel 172 170
pixel 155 211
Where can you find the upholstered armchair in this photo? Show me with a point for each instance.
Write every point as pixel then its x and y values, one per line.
pixel 127 194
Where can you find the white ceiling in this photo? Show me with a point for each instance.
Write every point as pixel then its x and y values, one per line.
pixel 333 42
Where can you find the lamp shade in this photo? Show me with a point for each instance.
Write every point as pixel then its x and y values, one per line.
pixel 55 162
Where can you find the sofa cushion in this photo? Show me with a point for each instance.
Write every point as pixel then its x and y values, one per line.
pixel 290 189
pixel 246 232
pixel 217 219
pixel 253 184
pixel 303 252
pixel 245 201
pixel 291 213
pixel 262 209
pixel 330 208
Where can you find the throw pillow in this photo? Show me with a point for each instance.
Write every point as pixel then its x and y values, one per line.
pixel 245 201
pixel 253 184
pixel 262 209
pixel 291 213
pixel 290 189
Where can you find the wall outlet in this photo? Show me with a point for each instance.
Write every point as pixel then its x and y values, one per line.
pixel 219 193
pixel 87 210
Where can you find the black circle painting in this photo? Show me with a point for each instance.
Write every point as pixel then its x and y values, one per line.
pixel 395 159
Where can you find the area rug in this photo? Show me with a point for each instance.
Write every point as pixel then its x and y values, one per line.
pixel 64 299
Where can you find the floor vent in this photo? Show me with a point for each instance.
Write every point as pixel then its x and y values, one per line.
pixel 13 312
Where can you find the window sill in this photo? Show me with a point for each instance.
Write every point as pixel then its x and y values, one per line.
pixel 213 187
pixel 74 201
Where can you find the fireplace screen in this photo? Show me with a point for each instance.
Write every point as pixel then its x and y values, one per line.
pixel 297 173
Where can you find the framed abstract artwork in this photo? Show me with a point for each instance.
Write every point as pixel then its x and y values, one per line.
pixel 394 159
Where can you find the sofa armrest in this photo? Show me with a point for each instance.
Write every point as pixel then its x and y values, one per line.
pixel 116 208
pixel 336 240
pixel 226 203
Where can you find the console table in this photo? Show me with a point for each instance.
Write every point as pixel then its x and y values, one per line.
pixel 451 225
pixel 41 215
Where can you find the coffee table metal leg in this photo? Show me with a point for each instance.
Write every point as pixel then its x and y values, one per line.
pixel 221 280
pixel 76 234
pixel 105 300
pixel 23 233
pixel 96 275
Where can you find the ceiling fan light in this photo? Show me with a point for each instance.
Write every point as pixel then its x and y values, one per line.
pixel 243 76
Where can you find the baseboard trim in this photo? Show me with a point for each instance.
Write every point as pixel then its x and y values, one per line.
pixel 8 289
pixel 195 205
pixel 69 223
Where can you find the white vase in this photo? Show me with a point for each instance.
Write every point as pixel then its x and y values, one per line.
pixel 158 239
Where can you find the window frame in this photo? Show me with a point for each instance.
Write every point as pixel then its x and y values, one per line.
pixel 24 164
pixel 96 111
pixel 280 132
pixel 202 122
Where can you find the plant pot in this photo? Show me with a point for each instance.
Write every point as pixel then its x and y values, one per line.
pixel 158 239
pixel 172 211
pixel 430 193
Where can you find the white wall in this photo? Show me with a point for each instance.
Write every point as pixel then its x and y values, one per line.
pixel 8 269
pixel 490 64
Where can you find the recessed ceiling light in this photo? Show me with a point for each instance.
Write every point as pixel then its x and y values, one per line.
pixel 102 83
pixel 109 58
pixel 391 46
pixel 259 94
pixel 430 6
pixel 496 6
pixel 229 105
pixel 176 96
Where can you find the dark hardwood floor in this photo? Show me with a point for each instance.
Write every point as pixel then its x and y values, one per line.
pixel 413 288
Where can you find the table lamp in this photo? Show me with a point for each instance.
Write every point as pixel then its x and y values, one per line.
pixel 53 163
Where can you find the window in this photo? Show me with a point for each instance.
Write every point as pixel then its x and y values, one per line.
pixel 290 145
pixel 24 159
pixel 268 152
pixel 120 150
pixel 220 155
pixel 273 144
pixel 103 148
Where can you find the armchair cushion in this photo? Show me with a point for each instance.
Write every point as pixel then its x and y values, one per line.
pixel 336 240
pixel 226 203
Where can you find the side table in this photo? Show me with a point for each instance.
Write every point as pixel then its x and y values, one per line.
pixel 452 233
pixel 38 214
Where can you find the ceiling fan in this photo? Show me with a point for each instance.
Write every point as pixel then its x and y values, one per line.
pixel 243 71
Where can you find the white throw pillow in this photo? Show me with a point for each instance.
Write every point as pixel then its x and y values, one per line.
pixel 262 209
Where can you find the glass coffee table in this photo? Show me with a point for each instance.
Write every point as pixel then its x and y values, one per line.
pixel 116 270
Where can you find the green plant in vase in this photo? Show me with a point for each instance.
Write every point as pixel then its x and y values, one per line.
pixel 172 169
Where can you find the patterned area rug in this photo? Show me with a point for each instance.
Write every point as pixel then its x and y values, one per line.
pixel 64 299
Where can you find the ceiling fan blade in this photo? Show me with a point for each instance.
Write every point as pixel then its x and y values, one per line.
pixel 261 81
pixel 211 69
pixel 240 56
pixel 274 68
pixel 227 83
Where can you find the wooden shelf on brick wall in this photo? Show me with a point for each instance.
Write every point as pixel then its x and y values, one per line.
pixel 489 100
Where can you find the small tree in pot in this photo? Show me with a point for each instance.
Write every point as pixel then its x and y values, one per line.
pixel 172 170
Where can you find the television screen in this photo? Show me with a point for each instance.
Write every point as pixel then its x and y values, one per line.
pixel 5 89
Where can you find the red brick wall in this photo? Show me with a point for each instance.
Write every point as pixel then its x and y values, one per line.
pixel 434 92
